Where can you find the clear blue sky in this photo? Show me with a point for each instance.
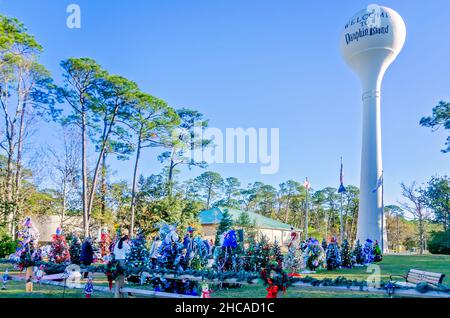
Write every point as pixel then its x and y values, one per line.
pixel 259 63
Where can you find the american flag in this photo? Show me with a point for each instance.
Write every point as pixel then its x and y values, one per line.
pixel 307 185
pixel 379 183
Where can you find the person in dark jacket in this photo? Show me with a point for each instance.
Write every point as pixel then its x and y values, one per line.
pixel 87 254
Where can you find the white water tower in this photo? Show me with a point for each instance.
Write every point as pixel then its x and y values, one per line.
pixel 369 43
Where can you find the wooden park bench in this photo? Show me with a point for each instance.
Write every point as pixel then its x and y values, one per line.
pixel 415 276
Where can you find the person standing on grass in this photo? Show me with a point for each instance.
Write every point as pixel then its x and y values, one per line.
pixel 121 250
pixel 87 254
pixel 154 251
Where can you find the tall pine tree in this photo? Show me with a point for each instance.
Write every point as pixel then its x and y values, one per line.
pixel 225 224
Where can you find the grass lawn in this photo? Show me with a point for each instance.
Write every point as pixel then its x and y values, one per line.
pixel 391 265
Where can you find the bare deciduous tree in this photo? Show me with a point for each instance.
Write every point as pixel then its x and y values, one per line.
pixel 417 207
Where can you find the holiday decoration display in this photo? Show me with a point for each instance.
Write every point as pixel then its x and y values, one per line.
pixel 172 252
pixel 200 253
pixel 75 250
pixel 27 253
pixel 39 273
pixel 293 261
pixel 346 255
pixel 358 253
pixel 138 258
pixel 368 252
pixel 206 292
pixel 314 254
pixel 275 253
pixel 89 287
pixel 59 252
pixel 333 256
pixel 105 243
pixel 5 278
pixel 378 256
pixel 276 279
pixel 294 237
pixel 227 256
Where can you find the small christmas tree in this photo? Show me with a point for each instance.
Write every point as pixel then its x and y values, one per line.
pixel 293 261
pixel 346 255
pixel 253 258
pixel 275 253
pixel 358 253
pixel 75 250
pixel 59 252
pixel 225 224
pixel 105 243
pixel 315 255
pixel 27 253
pixel 265 250
pixel 138 259
pixel 333 255
pixel 368 252
pixel 257 256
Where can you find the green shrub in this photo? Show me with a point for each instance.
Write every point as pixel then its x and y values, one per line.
pixel 7 244
pixel 439 242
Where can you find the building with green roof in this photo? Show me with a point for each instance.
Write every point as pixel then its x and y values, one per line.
pixel 273 229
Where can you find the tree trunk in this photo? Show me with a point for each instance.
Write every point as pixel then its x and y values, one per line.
pixel 171 168
pixel 106 135
pixel 103 188
pixel 133 190
pixel 18 181
pixel 63 201
pixel 9 186
pixel 84 173
pixel 209 197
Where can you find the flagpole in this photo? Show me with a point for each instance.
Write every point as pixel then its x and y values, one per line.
pixel 307 210
pixel 340 216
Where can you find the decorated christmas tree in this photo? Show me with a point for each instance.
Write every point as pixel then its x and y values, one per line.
pixel 265 250
pixel 27 253
pixel 358 254
pixel 253 257
pixel 346 255
pixel 333 256
pixel 293 261
pixel 228 256
pixel 315 255
pixel 275 253
pixel 368 252
pixel 138 259
pixel 105 243
pixel 59 252
pixel 75 250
